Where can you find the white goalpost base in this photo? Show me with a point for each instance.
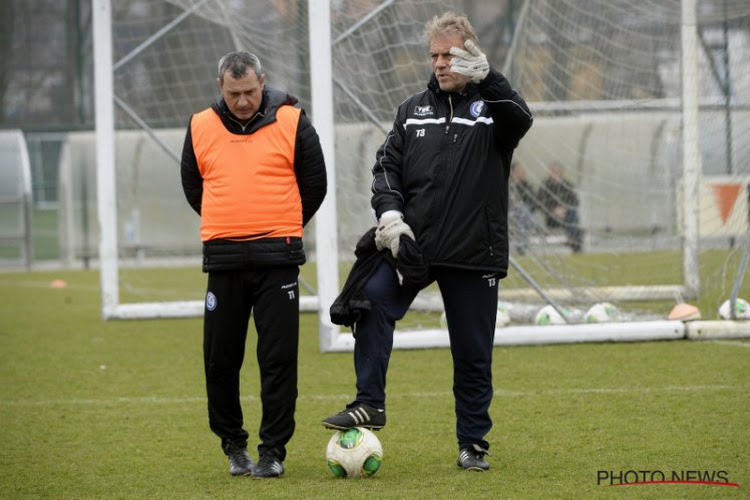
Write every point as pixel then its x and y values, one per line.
pixel 719 329
pixel 183 309
pixel 567 334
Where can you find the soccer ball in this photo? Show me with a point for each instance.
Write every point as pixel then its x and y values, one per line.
pixel 741 309
pixel 548 315
pixel 501 319
pixel 503 316
pixel 601 313
pixel 354 452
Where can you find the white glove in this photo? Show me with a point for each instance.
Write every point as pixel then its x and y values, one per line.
pixel 389 231
pixel 470 62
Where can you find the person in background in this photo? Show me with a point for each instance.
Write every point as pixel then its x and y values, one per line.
pixel 253 169
pixel 521 206
pixel 440 179
pixel 559 200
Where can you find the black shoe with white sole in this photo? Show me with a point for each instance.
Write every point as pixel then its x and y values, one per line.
pixel 357 415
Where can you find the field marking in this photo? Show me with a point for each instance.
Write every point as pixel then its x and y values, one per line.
pixel 507 393
pixel 735 343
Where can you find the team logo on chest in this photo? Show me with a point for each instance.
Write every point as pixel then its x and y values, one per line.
pixel 476 108
pixel 424 111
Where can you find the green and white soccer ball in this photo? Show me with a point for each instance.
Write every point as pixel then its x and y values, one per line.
pixel 501 319
pixel 548 315
pixel 354 452
pixel 602 312
pixel 741 309
pixel 503 315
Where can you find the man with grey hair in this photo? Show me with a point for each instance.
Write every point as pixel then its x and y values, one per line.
pixel 253 169
pixel 441 179
pixel 236 61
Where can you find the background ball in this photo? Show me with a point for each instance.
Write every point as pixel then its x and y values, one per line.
pixel 602 312
pixel 741 309
pixel 502 318
pixel 503 315
pixel 548 315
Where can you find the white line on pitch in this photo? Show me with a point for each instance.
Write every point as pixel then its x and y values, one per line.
pixel 418 395
pixel 731 342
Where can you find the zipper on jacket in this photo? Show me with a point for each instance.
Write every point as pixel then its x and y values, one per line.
pixel 450 117
pixel 489 230
pixel 252 119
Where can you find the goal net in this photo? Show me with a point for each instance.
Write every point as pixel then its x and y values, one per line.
pixel 642 105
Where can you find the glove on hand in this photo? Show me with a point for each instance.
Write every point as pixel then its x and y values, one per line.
pixel 389 231
pixel 470 62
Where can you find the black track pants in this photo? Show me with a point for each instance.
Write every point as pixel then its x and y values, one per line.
pixel 470 299
pixel 272 295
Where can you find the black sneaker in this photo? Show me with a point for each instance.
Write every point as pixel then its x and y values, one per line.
pixel 240 463
pixel 268 466
pixel 356 415
pixel 472 458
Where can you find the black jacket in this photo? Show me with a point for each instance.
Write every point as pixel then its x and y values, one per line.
pixel 445 166
pixel 309 168
pixel 352 304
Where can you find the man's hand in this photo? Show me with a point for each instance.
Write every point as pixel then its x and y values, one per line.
pixel 470 62
pixel 389 231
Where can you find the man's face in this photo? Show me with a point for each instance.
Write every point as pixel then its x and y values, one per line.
pixel 440 47
pixel 243 95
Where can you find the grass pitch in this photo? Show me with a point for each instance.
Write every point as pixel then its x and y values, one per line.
pixel 94 409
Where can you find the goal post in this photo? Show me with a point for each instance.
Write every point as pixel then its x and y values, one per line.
pixel 690 146
pixel 106 187
pixel 634 102
pixel 321 78
pixel 106 193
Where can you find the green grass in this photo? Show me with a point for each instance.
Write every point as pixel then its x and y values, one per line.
pixel 44 234
pixel 94 409
pixel 45 241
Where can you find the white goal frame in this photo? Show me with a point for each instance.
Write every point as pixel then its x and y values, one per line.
pixel 330 336
pixel 106 177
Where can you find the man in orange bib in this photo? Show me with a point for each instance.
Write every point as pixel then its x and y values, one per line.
pixel 253 169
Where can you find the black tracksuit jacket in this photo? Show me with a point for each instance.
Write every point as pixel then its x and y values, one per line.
pixel 445 166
